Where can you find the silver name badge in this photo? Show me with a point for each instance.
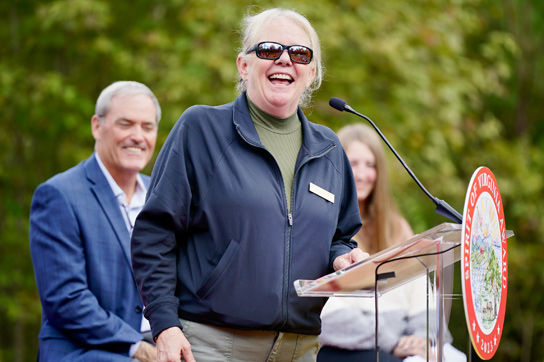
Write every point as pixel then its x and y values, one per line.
pixel 322 192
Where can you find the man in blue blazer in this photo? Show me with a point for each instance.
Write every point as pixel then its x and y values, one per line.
pixel 80 226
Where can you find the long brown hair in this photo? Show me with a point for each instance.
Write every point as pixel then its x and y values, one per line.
pixel 382 222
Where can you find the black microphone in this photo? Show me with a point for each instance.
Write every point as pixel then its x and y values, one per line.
pixel 442 207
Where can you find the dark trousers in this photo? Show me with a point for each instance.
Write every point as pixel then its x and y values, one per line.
pixel 331 354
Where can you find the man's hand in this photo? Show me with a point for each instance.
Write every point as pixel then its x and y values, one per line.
pixel 146 352
pixel 171 344
pixel 354 256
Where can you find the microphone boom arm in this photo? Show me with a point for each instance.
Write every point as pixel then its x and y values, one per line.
pixel 442 207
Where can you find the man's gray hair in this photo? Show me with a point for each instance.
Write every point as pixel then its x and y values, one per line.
pixel 121 88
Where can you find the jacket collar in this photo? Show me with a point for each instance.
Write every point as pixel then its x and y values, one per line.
pixel 108 202
pixel 314 142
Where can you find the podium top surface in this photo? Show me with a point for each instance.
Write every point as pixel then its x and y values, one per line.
pixel 394 266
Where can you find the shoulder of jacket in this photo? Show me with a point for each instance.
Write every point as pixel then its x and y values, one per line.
pixel 67 176
pixel 200 115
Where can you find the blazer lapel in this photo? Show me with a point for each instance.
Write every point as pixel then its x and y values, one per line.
pixel 109 204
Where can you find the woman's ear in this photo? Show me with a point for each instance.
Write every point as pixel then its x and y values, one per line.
pixel 311 77
pixel 242 65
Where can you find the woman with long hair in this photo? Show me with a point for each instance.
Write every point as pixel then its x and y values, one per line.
pixel 348 324
pixel 383 224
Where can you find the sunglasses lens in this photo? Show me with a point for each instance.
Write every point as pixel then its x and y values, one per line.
pixel 300 54
pixel 269 50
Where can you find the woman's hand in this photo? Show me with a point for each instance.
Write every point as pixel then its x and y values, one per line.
pixel 411 346
pixel 354 256
pixel 171 344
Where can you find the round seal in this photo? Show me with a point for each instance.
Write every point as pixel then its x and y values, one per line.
pixel 484 265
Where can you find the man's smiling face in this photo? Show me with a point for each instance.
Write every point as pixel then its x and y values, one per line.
pixel 126 135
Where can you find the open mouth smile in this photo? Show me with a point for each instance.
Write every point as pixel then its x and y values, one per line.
pixel 281 78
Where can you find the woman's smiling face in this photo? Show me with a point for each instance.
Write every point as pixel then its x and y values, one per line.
pixel 363 164
pixel 275 86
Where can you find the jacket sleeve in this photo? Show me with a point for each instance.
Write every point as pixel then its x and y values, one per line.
pixel 161 224
pixel 58 256
pixel 349 218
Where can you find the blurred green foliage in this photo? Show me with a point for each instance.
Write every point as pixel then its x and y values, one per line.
pixel 451 83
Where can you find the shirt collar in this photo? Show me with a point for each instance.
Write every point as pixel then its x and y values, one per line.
pixel 138 199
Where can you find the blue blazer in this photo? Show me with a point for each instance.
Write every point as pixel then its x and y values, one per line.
pixel 80 248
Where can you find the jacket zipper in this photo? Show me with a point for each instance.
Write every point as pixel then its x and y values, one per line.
pixel 290 233
pixel 287 257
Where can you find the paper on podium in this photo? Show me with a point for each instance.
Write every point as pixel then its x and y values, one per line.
pixel 405 261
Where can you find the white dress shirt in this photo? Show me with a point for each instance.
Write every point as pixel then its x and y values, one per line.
pixel 129 211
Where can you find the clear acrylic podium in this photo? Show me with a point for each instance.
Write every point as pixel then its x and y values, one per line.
pixel 431 253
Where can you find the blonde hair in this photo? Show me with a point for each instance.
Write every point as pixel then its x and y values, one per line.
pixel 382 222
pixel 252 24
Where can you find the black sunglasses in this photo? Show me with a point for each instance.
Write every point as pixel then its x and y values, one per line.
pixel 270 50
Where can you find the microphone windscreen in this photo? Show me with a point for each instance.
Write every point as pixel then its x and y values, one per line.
pixel 337 104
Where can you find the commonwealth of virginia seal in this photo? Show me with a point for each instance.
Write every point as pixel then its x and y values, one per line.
pixel 484 262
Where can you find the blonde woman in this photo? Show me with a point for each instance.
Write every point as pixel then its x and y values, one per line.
pixel 230 224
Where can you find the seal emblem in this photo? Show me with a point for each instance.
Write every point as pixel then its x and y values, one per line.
pixel 484 262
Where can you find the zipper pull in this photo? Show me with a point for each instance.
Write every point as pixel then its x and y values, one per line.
pixel 290 218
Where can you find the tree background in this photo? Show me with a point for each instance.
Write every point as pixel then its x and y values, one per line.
pixel 453 84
